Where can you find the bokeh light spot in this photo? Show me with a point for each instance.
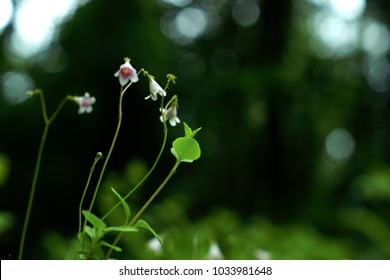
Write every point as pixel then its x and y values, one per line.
pixel 378 75
pixel 375 39
pixel 246 12
pixel 348 9
pixel 6 12
pixel 191 23
pixel 178 3
pixel 339 36
pixel 36 22
pixel 339 145
pixel 15 85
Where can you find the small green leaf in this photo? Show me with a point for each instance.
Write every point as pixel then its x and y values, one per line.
pixel 121 228
pixel 104 243
pixel 143 224
pixel 188 132
pixel 185 149
pixel 125 206
pixel 195 131
pixel 94 220
pixel 91 233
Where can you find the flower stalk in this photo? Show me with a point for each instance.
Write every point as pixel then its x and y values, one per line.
pixel 47 122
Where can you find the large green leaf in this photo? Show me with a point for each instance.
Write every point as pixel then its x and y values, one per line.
pixel 185 149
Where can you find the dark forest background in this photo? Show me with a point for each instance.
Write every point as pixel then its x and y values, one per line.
pixel 295 128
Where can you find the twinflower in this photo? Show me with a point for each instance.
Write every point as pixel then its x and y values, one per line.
pixel 170 112
pixel 85 102
pixel 126 73
pixel 214 252
pixel 155 89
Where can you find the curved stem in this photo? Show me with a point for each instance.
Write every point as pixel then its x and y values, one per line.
pixel 122 91
pixel 98 156
pixel 140 212
pixel 149 172
pixel 44 111
pixel 58 109
pixel 47 121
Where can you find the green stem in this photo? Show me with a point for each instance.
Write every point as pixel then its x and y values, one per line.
pixel 98 156
pixel 47 121
pixel 140 212
pixel 59 108
pixel 32 192
pixel 122 91
pixel 147 174
pixel 158 156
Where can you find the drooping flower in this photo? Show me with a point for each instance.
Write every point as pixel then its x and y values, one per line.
pixel 170 112
pixel 155 246
pixel 85 102
pixel 214 252
pixel 155 89
pixel 262 254
pixel 126 73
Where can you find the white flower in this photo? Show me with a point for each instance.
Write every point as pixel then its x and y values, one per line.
pixel 170 112
pixel 85 102
pixel 155 246
pixel 262 254
pixel 155 89
pixel 214 252
pixel 126 72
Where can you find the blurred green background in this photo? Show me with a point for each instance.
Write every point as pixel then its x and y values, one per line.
pixel 292 97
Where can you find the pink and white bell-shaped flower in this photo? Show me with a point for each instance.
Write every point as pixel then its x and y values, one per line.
pixel 126 73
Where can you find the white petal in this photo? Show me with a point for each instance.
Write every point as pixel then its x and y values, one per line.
pixel 172 122
pixel 134 77
pixel 79 99
pixel 123 81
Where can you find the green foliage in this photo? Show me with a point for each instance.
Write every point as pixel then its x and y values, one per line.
pixel 239 240
pixel 91 238
pixel 188 132
pixel 125 206
pixel 143 224
pixel 186 149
